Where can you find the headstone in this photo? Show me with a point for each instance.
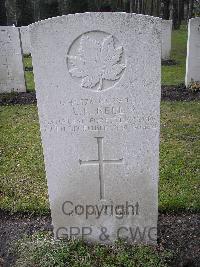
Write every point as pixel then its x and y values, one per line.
pixel 166 38
pixel 98 89
pixel 11 64
pixel 25 38
pixel 193 52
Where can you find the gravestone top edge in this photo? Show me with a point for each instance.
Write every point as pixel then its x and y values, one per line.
pixel 167 21
pixel 101 21
pixel 8 27
pixel 24 27
pixel 105 14
pixel 196 18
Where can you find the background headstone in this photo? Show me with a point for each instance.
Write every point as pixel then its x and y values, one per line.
pixel 25 38
pixel 11 64
pixel 193 52
pixel 97 81
pixel 166 38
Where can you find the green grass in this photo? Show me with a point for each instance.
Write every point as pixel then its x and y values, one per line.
pixel 22 177
pixel 175 75
pixel 29 76
pixel 27 61
pixel 180 156
pixel 42 251
pixel 171 75
pixel 22 183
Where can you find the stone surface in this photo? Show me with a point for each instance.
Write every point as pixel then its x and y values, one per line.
pixel 98 89
pixel 166 26
pixel 25 38
pixel 11 65
pixel 193 52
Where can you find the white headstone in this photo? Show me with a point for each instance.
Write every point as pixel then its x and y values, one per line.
pixel 11 64
pixel 98 89
pixel 166 38
pixel 25 38
pixel 193 52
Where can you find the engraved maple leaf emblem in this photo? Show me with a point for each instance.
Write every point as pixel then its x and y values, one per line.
pixel 96 62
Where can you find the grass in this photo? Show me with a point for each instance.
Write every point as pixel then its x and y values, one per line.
pixel 171 75
pixel 30 85
pixel 22 183
pixel 27 61
pixel 179 156
pixel 29 76
pixel 22 177
pixel 42 251
pixel 175 75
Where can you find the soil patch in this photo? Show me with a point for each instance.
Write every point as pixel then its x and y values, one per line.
pixel 14 227
pixel 17 98
pixel 168 93
pixel 179 93
pixel 28 68
pixel 179 233
pixel 168 62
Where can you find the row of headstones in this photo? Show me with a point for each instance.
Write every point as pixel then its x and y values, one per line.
pixel 11 63
pixel 98 87
pixel 14 42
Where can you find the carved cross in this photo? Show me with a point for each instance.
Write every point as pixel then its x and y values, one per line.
pixel 100 162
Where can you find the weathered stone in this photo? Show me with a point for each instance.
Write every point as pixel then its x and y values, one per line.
pixel 166 38
pixel 11 64
pixel 98 90
pixel 193 52
pixel 25 38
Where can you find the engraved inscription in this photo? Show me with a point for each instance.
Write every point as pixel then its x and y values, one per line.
pixel 97 114
pixel 4 70
pixel 100 162
pixel 97 62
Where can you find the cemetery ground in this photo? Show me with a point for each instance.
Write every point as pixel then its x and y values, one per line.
pixel 175 74
pixel 24 205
